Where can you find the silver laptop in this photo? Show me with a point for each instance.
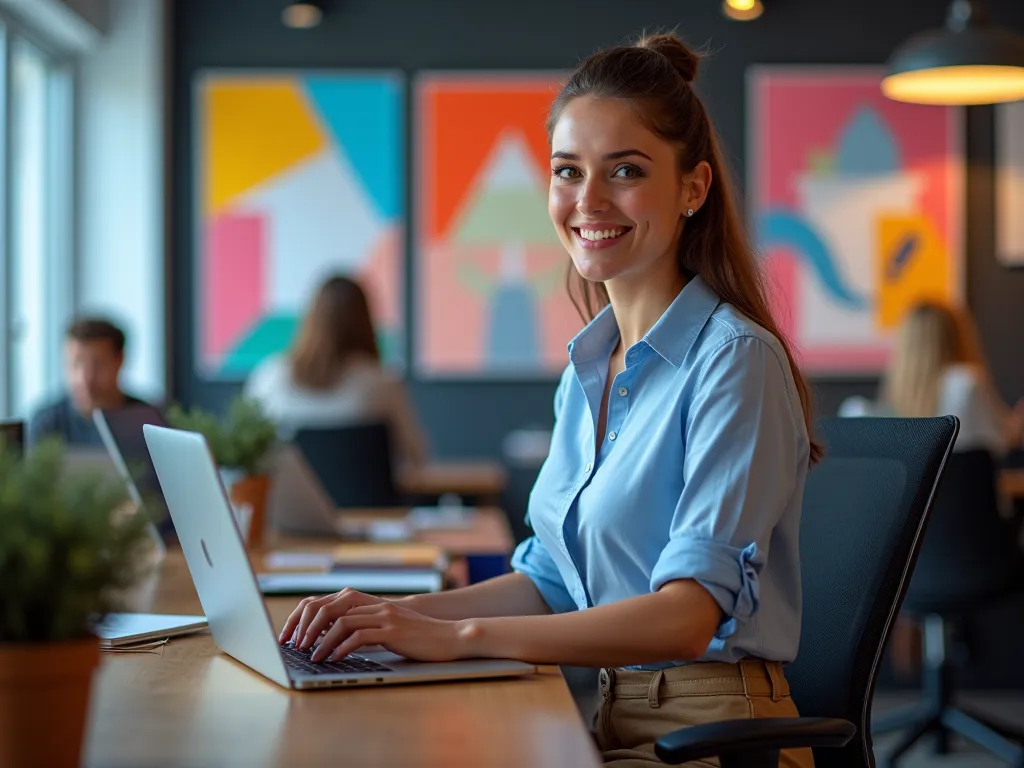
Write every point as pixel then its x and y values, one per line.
pixel 230 596
pixel 297 502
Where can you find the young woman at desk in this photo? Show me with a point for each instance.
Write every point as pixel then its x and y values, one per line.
pixel 333 375
pixel 666 514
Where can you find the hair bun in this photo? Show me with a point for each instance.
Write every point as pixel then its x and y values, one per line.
pixel 683 58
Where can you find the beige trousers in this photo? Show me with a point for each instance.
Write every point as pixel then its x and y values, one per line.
pixel 638 707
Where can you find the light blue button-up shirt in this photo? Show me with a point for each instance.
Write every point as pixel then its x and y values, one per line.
pixel 700 475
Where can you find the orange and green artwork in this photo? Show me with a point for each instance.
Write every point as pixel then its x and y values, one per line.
pixel 298 176
pixel 490 271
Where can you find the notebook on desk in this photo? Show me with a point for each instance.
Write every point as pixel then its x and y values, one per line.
pixel 120 629
pixel 228 590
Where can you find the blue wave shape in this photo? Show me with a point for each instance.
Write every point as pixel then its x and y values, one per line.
pixel 783 228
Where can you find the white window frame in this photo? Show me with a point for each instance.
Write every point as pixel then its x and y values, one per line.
pixel 60 185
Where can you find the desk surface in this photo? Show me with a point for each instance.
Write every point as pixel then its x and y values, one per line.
pixel 489 533
pixel 466 478
pixel 1011 482
pixel 190 705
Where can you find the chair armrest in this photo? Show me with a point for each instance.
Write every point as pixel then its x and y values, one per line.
pixel 768 734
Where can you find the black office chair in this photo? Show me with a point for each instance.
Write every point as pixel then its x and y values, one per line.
pixel 970 559
pixel 353 463
pixel 12 436
pixel 865 508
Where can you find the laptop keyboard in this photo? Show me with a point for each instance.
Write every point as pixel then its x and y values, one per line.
pixel 353 663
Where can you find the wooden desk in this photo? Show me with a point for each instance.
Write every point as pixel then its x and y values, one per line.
pixel 484 479
pixel 191 705
pixel 1011 483
pixel 489 533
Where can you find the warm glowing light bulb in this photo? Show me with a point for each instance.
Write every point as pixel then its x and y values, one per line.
pixel 302 15
pixel 977 84
pixel 742 10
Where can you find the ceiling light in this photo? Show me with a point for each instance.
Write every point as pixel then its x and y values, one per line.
pixel 969 61
pixel 742 10
pixel 302 15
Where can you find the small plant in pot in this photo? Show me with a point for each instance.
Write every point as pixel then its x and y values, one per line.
pixel 242 444
pixel 71 547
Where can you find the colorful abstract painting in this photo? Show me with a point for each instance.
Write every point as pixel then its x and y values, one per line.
pixel 489 267
pixel 299 176
pixel 857 203
pixel 1010 183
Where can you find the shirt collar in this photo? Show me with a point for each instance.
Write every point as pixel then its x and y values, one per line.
pixel 678 327
pixel 671 337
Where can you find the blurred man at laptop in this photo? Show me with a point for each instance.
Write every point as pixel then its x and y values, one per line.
pixel 93 356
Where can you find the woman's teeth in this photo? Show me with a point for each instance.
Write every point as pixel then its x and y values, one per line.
pixel 601 234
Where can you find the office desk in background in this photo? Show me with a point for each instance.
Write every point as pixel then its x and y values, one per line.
pixel 1011 483
pixel 478 551
pixel 484 481
pixel 188 704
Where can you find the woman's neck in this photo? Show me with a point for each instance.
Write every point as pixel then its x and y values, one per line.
pixel 638 301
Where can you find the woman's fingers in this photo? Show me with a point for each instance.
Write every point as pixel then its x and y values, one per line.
pixel 309 612
pixel 340 631
pixel 359 638
pixel 344 602
pixel 293 620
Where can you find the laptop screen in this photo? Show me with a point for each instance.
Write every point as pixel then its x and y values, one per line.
pixel 123 427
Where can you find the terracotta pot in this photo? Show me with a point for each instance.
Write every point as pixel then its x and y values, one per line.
pixel 253 490
pixel 44 702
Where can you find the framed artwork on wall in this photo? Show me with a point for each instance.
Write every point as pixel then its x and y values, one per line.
pixel 857 204
pixel 1010 183
pixel 489 270
pixel 298 175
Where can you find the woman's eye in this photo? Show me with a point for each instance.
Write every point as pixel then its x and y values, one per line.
pixel 628 172
pixel 565 172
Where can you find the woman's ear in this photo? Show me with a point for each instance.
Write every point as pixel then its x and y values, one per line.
pixel 696 185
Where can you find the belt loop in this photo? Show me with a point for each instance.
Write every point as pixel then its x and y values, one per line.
pixel 652 692
pixel 774 670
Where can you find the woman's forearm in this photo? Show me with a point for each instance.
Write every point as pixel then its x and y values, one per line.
pixel 674 624
pixel 512 594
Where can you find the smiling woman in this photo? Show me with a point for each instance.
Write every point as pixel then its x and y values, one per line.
pixel 680 448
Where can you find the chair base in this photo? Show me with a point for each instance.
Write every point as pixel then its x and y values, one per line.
pixel 999 739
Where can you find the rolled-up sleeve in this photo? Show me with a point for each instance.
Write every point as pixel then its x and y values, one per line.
pixel 532 559
pixel 745 440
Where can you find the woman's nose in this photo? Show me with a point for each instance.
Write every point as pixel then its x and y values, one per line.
pixel 593 198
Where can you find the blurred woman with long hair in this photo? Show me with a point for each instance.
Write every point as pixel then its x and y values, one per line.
pixel 937 368
pixel 333 376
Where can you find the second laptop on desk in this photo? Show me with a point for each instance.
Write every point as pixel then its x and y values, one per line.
pixel 232 602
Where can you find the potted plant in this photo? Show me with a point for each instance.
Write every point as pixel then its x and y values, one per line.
pixel 242 444
pixel 70 549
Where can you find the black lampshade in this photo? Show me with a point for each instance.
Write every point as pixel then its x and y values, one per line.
pixel 969 61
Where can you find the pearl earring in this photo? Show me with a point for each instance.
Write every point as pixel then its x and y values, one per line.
pixel 689 211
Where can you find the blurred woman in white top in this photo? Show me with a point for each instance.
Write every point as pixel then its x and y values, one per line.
pixel 937 369
pixel 333 375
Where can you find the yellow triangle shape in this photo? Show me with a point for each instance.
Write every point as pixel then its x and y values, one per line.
pixel 251 131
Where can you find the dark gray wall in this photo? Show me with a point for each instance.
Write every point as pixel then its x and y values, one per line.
pixel 470 419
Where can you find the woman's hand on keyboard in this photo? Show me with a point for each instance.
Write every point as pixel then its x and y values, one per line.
pixel 399 629
pixel 314 615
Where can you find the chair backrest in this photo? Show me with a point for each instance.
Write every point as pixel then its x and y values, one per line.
pixel 12 434
pixel 352 462
pixel 970 551
pixel 864 511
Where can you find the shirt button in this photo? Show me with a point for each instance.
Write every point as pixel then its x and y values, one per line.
pixel 587 468
pixel 623 391
pixel 612 435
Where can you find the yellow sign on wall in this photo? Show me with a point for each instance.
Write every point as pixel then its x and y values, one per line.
pixel 912 264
